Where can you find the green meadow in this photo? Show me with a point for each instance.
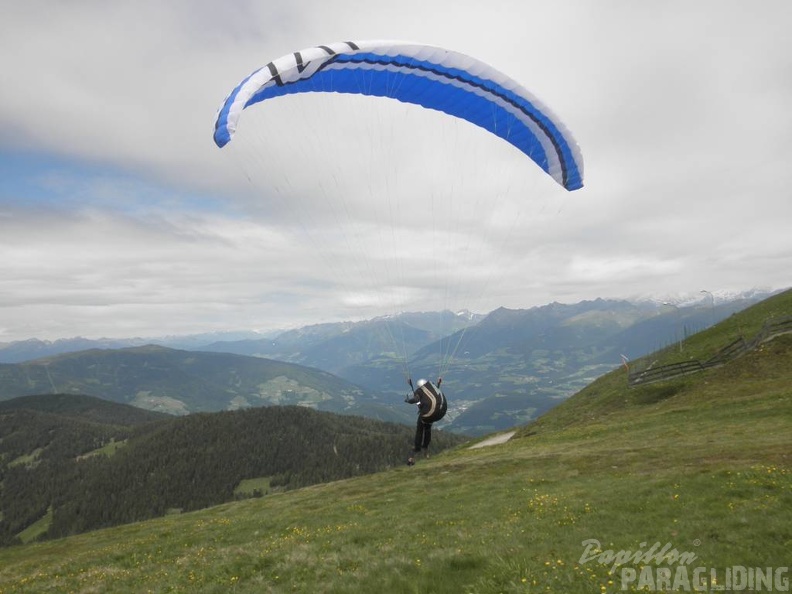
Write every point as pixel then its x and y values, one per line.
pixel 617 489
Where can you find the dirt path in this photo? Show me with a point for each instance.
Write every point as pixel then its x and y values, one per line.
pixel 494 440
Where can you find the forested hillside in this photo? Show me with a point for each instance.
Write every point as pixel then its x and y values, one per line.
pixel 84 408
pixel 62 474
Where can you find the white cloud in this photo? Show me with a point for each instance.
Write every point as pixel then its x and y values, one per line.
pixel 119 216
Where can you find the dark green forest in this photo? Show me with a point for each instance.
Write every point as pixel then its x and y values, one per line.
pixel 92 467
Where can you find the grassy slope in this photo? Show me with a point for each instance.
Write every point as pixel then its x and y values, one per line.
pixel 702 463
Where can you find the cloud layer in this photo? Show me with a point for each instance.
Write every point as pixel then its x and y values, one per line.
pixel 119 216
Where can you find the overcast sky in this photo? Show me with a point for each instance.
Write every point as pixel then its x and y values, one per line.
pixel 120 217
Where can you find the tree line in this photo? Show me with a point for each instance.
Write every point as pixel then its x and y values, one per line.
pixel 183 463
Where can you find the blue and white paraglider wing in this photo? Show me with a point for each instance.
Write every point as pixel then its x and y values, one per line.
pixel 428 76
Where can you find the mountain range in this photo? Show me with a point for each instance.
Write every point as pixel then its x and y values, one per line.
pixel 498 371
pixel 180 382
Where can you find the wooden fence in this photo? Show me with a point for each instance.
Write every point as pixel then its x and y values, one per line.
pixel 731 351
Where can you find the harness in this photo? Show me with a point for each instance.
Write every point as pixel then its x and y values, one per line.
pixel 436 401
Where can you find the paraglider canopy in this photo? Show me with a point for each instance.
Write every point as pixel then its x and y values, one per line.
pixel 428 76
